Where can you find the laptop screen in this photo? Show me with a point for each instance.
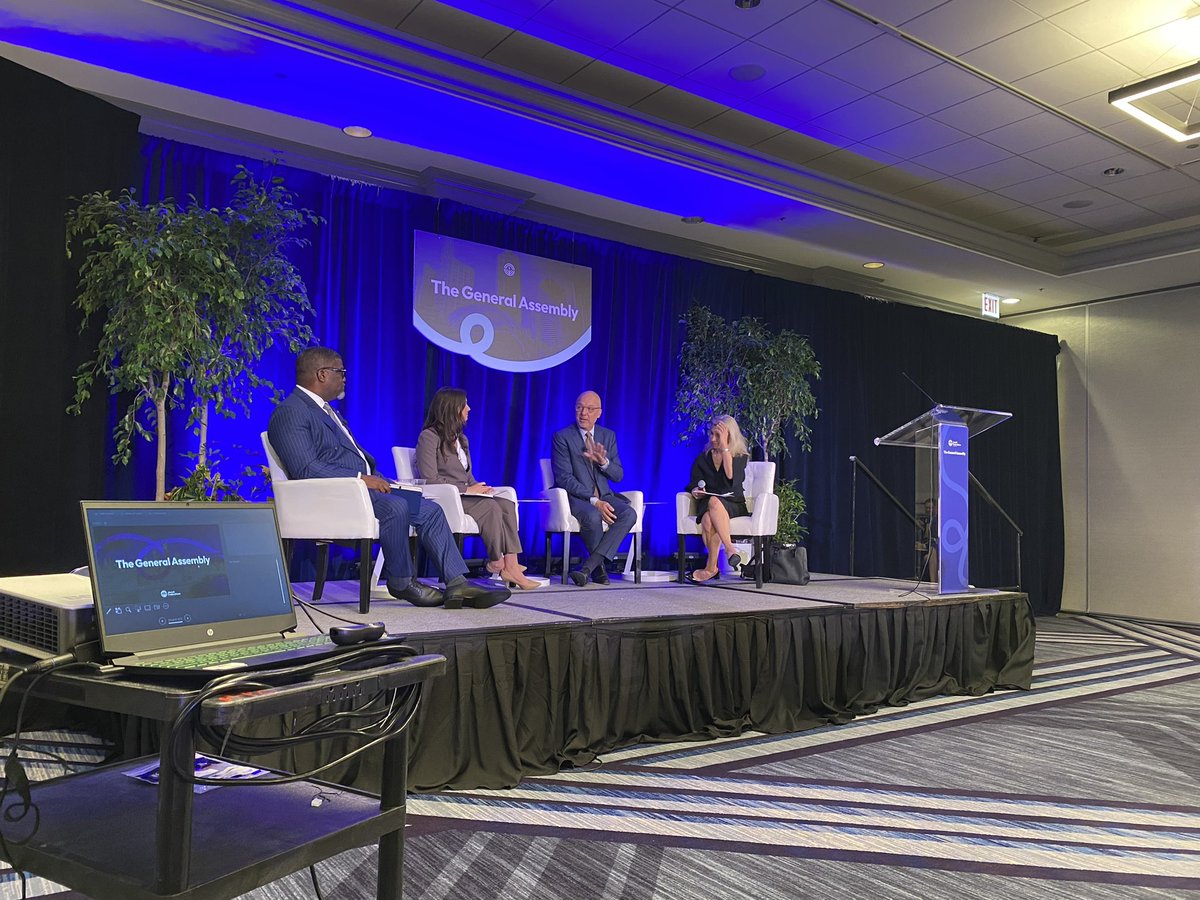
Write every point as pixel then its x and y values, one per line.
pixel 168 575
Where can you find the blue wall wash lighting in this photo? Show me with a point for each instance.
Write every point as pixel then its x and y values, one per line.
pixel 331 85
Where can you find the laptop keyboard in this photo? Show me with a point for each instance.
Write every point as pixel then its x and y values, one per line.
pixel 216 657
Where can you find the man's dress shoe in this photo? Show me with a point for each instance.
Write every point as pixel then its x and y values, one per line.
pixel 415 592
pixel 579 577
pixel 476 596
pixel 600 576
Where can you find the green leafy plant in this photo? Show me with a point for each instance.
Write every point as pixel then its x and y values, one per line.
pixel 743 369
pixel 791 508
pixel 191 299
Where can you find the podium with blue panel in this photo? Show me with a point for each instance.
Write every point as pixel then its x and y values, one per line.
pixel 946 431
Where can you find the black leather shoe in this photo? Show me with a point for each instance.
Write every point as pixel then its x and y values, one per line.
pixel 476 596
pixel 735 561
pixel 600 576
pixel 579 577
pixel 415 592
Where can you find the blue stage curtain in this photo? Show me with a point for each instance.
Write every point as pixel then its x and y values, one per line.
pixel 358 269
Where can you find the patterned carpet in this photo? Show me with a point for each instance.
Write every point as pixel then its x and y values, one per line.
pixel 1085 786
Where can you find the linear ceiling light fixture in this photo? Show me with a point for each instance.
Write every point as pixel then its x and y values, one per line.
pixel 1160 103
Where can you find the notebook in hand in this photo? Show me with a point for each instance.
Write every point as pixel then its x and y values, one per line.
pixel 187 587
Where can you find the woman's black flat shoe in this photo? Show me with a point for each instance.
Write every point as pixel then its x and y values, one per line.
pixel 735 561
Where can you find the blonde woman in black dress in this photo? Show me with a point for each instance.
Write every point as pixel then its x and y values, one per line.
pixel 718 476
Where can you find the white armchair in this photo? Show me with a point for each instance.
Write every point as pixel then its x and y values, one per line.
pixel 759 526
pixel 557 519
pixel 326 510
pixel 445 495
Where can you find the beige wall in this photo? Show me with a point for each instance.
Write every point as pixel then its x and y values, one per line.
pixel 1129 418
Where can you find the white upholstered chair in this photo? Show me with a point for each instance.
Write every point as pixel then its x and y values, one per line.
pixel 446 496
pixel 759 526
pixel 326 510
pixel 557 519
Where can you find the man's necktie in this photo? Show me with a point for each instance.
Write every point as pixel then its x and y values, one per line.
pixel 337 420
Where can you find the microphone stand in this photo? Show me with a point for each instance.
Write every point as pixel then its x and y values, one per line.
pixel 996 506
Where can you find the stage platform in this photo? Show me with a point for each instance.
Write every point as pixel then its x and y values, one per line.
pixel 560 675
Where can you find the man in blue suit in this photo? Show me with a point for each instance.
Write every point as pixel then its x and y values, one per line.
pixel 585 461
pixel 312 441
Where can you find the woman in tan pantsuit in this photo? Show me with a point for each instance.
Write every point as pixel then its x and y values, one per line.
pixel 443 457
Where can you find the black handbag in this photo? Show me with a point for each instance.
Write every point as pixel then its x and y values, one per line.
pixel 789 564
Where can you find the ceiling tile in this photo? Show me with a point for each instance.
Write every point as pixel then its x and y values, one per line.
pixel 744 22
pixel 809 95
pixel 1155 51
pixel 1055 231
pixel 793 148
pixel 896 12
pixel 1103 22
pixel 845 164
pixel 1155 183
pixel 1024 52
pixel 969 154
pixel 1014 170
pixel 914 138
pixel 605 24
pixel 937 194
pixel 677 42
pixel 738 128
pixel 1029 134
pixel 1172 204
pixel 1011 219
pixel 1113 219
pixel 936 88
pixel 816 33
pixel 1092 172
pixel 1097 111
pixel 863 118
pixel 962 25
pixel 893 179
pixel 678 106
pixel 499 10
pixel 1077 78
pixel 1045 188
pixel 1049 7
pixel 454 28
pixel 1096 198
pixel 538 58
pixel 880 62
pixel 1076 151
pixel 987 112
pixel 611 83
pixel 716 73
pixel 984 204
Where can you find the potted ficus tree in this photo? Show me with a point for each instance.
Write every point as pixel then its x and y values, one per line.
pixel 191 298
pixel 763 379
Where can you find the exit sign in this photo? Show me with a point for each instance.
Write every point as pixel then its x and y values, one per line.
pixel 991 306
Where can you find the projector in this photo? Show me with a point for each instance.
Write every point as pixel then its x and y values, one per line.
pixel 46 615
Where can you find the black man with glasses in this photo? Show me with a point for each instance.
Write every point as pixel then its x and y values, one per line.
pixel 313 441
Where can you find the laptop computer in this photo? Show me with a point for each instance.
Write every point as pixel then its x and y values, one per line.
pixel 192 587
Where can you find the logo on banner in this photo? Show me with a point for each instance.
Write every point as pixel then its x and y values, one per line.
pixel 506 310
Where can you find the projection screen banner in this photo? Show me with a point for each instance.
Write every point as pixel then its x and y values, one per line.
pixel 506 310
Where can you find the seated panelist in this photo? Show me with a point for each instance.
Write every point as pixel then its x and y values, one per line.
pixel 444 457
pixel 717 480
pixel 313 441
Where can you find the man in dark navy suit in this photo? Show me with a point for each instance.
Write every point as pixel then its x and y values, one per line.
pixel 585 460
pixel 312 441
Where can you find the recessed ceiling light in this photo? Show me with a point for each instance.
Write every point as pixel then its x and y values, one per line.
pixel 1113 172
pixel 873 265
pixel 357 131
pixel 745 4
pixel 1193 146
pixel 748 72
pixel 1077 204
pixel 692 220
pixel 1011 300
